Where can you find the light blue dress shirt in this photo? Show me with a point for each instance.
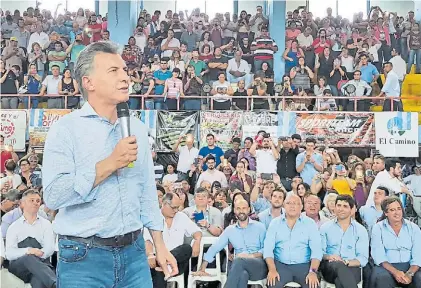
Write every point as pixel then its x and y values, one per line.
pixel 351 244
pixel 124 202
pixel 309 170
pixel 414 182
pixel 404 248
pixel 261 204
pixel 244 240
pixel 369 214
pixel 265 216
pixel 293 246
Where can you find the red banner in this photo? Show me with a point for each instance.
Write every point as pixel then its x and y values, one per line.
pixel 339 129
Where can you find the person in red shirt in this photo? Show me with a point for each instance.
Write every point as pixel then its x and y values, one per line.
pixel 95 29
pixel 321 42
pixel 6 154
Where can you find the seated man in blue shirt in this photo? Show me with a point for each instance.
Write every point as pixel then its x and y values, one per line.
pixel 396 249
pixel 160 76
pixel 345 246
pixel 292 247
pixel 247 237
pixel 370 213
pixel 276 201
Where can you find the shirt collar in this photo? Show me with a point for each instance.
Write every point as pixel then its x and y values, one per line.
pixel 283 217
pixel 88 111
pixel 250 222
pixel 23 219
pixel 353 222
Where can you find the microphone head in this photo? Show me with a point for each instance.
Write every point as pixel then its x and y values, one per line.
pixel 123 110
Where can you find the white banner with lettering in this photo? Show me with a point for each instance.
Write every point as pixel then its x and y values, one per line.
pixel 13 129
pixel 397 134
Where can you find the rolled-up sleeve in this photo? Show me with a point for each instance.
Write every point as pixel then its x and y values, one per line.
pixel 361 250
pixel 150 215
pixel 377 247
pixel 416 246
pixel 315 242
pixel 64 185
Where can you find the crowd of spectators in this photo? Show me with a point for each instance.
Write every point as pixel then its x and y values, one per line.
pixel 289 211
pixel 231 53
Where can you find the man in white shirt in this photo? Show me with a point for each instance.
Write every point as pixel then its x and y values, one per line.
pixel 257 20
pixel 39 37
pixel 211 174
pixel 169 44
pixel 229 28
pixel 391 88
pixel 30 242
pixel 50 87
pixel 186 154
pixel 238 69
pixel 362 88
pixel 267 157
pixel 399 66
pixel 177 225
pixel 388 178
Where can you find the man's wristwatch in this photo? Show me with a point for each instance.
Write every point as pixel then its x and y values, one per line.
pixel 410 274
pixel 346 262
pixel 312 271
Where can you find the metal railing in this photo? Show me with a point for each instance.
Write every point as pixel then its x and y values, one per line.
pixel 283 100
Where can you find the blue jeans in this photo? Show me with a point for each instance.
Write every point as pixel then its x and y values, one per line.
pixel 90 266
pixel 34 102
pixel 134 103
pixel 414 54
pixel 192 105
pixel 160 105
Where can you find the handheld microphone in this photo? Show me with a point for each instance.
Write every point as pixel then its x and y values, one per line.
pixel 123 114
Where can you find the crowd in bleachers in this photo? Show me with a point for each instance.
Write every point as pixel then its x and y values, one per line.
pixel 177 54
pixel 278 213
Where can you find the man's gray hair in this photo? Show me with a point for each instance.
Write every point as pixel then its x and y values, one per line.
pixel 168 197
pixel 84 63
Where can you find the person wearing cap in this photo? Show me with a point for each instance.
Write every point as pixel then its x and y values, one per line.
pixel 13 55
pixel 9 84
pixel 10 200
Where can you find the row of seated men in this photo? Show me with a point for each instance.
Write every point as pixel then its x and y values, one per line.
pixel 293 248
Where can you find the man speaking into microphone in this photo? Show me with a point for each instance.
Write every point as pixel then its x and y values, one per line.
pixel 102 184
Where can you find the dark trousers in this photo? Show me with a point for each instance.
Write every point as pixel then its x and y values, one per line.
pixel 286 182
pixel 31 269
pixel 341 275
pixel 182 254
pixel 381 278
pixel 397 105
pixel 221 105
pixel 242 270
pixel 362 105
pixel 291 273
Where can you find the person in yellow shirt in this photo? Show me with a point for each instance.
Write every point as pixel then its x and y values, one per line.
pixel 340 181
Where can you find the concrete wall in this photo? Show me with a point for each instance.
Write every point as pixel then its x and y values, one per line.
pixel 402 7
pixel 20 5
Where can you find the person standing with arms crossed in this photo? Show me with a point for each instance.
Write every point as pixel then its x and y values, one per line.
pixel 103 205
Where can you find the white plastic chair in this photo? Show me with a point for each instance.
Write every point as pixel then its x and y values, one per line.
pixel 325 284
pixel 292 285
pixel 261 283
pixel 11 281
pixel 216 274
pixel 177 279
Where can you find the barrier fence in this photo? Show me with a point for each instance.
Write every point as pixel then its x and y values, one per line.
pixel 281 101
pixel 336 129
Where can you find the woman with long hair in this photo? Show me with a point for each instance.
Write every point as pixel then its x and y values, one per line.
pixel 171 175
pixel 291 55
pixel 221 199
pixel 33 82
pixel 302 190
pixel 38 58
pixel 173 89
pixel 324 62
pixel 268 77
pixel 361 191
pixel 69 86
pixel 205 54
pixel 205 40
pixel 177 62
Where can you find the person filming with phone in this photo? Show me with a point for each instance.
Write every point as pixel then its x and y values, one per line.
pixel 266 155
pixel 309 163
pixel 340 182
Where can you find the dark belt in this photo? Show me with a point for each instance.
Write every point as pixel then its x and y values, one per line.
pixel 117 241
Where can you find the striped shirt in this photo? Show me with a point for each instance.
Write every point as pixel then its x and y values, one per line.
pixel 124 202
pixel 159 171
pixel 262 52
